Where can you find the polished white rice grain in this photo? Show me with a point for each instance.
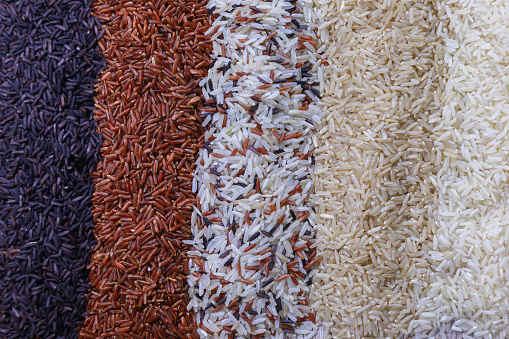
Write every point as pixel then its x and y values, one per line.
pixel 469 289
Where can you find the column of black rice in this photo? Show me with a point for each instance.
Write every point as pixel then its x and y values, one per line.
pixel 48 147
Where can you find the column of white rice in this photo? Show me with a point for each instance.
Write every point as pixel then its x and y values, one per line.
pixel 375 164
pixel 253 228
pixel 469 289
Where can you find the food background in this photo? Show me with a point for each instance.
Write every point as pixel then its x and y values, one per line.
pixel 259 169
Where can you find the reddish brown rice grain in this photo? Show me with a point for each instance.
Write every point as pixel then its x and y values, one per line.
pixel 148 103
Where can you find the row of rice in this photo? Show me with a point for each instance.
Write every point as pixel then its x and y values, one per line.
pixel 253 226
pixel 411 174
pixel 469 288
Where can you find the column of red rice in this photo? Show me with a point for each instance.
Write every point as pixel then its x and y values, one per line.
pixel 375 165
pixel 469 291
pixel 253 228
pixel 148 103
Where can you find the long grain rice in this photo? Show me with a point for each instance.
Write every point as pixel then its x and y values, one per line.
pixel 375 165
pixel 253 227
pixel 469 288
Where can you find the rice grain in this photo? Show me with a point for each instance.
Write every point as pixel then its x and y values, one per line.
pixel 253 226
pixel 375 165
pixel 468 291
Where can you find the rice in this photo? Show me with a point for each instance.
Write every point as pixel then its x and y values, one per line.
pixel 375 165
pixel 253 227
pixel 469 287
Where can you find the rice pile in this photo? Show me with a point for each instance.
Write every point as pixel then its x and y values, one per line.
pixel 253 225
pixel 375 165
pixel 469 289
pixel 48 147
pixel 148 108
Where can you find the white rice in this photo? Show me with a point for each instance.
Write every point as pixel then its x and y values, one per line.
pixel 469 288
pixel 245 149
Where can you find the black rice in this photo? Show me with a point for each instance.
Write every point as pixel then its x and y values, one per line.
pixel 48 147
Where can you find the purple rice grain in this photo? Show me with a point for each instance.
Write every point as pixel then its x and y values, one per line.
pixel 48 147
